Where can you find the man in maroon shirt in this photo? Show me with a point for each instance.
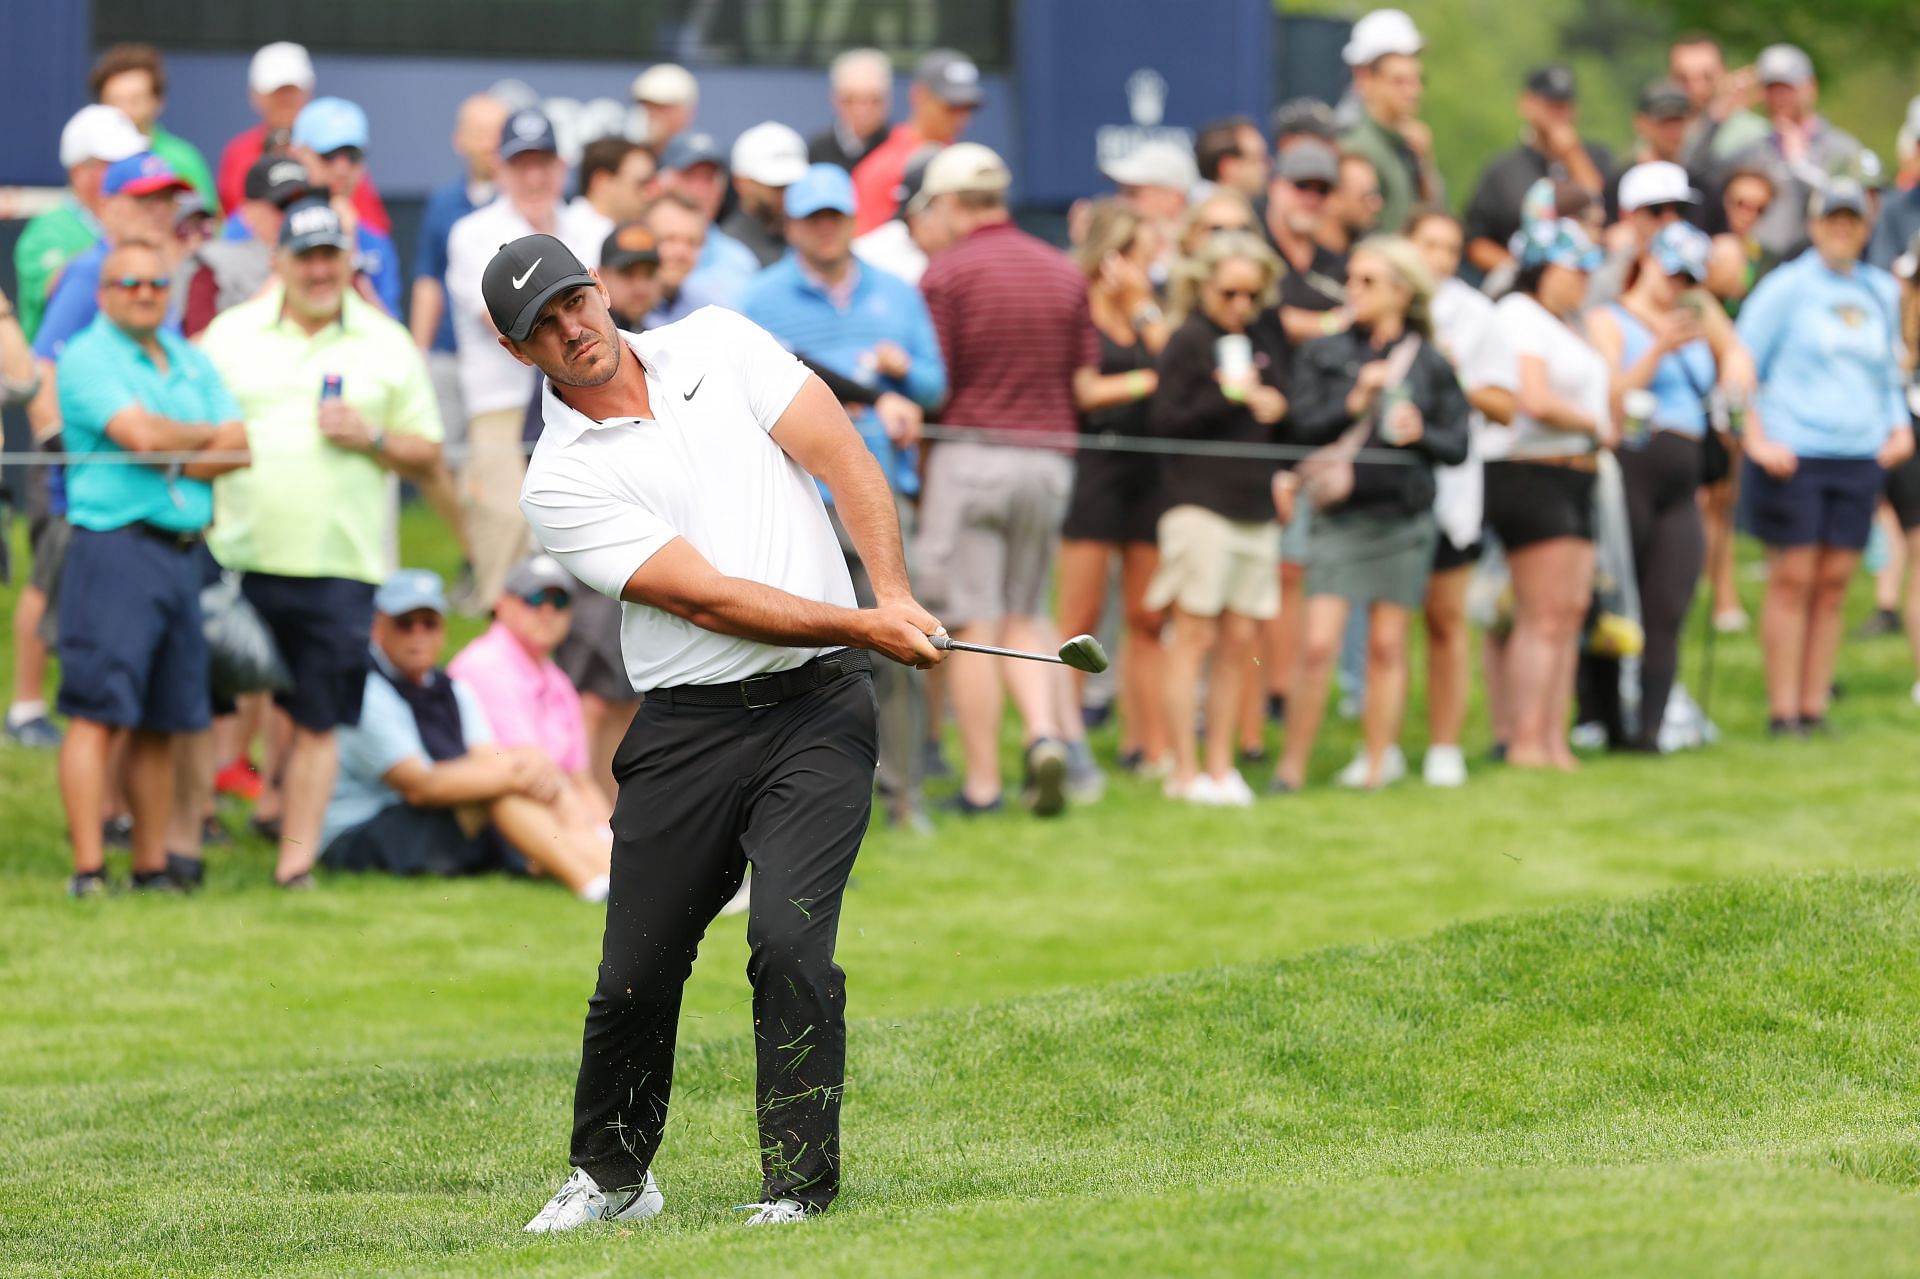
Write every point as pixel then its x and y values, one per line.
pixel 1011 313
pixel 279 83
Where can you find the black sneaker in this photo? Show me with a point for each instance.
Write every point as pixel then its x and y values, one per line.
pixel 1253 754
pixel 187 873
pixel 1781 727
pixel 967 808
pixel 214 831
pixel 88 883
pixel 154 881
pixel 1884 621
pixel 117 832
pixel 1815 726
pixel 267 828
pixel 1045 789
pixel 1277 707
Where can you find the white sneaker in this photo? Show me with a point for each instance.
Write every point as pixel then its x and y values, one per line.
pixel 1232 791
pixel 776 1212
pixel 1201 790
pixel 581 1200
pixel 1393 767
pixel 1444 766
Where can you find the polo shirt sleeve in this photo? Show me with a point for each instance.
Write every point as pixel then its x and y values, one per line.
pixel 385 737
pixel 1764 317
pixel 927 376
pixel 770 375
pixel 220 405
pixel 598 534
pixel 92 390
pixel 412 408
pixel 70 309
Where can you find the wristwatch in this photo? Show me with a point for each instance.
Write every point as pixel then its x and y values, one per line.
pixel 376 442
pixel 1145 315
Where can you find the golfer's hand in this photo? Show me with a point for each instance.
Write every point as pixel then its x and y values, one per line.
pixel 1897 449
pixel 1774 459
pixel 898 629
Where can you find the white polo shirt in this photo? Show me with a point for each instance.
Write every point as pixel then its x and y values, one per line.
pixel 490 379
pixel 603 497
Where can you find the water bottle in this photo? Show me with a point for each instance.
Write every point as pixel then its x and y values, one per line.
pixel 1639 405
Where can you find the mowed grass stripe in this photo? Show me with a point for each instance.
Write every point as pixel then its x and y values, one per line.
pixel 1720 1075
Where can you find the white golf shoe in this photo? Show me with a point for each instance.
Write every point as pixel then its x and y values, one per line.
pixel 1445 766
pixel 581 1200
pixel 776 1212
pixel 1393 767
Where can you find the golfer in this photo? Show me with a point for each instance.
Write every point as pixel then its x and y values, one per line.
pixel 676 473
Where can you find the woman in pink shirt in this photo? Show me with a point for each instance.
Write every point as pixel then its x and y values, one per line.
pixel 529 701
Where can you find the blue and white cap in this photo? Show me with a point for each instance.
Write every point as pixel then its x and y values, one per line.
pixel 411 589
pixel 1681 249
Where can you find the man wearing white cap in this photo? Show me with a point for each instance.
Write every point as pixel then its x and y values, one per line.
pixel 1900 214
pixel 1800 151
pixel 1383 53
pixel 767 159
pixel 279 84
pixel 669 95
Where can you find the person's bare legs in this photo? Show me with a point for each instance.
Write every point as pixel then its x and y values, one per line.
pixel 1783 625
pixel 83 790
pixel 1232 669
pixel 312 762
pixel 1143 671
pixel 149 797
pixel 1186 655
pixel 1886 583
pixel 1449 659
pixel 193 770
pixel 1039 690
pixel 29 652
pixel 276 741
pixel 1387 627
pixel 1551 582
pixel 1833 570
pixel 607 724
pixel 1494 648
pixel 536 829
pixel 1325 623
pixel 974 684
pixel 1081 573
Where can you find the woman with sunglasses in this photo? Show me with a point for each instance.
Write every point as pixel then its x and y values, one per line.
pixel 1829 422
pixel 1381 385
pixel 1116 503
pixel 1664 339
pixel 1220 210
pixel 1540 476
pixel 1221 381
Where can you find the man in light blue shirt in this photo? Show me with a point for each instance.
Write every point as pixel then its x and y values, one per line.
pixel 132 653
pixel 871 328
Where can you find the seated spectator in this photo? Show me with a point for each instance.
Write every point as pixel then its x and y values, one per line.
pixel 862 85
pixel 226 272
pixel 1221 380
pixel 330 137
pixel 279 83
pixel 903 243
pixel 424 788
pixel 132 655
pixel 527 699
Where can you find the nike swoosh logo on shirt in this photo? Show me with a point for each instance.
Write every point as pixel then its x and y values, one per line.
pixel 696 387
pixel 521 283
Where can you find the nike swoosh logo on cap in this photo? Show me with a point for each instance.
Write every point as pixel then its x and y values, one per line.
pixel 521 283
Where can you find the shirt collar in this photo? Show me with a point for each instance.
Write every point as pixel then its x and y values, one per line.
pixel 392 672
pixel 350 302
pixel 565 423
pixel 841 294
pixel 501 638
pixel 168 342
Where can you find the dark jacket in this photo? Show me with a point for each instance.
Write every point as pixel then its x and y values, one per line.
pixel 1189 405
pixel 825 147
pixel 1324 373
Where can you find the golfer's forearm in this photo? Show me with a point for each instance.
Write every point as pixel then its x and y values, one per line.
pixel 767 615
pixel 865 504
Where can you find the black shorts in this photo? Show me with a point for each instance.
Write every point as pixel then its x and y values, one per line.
pixel 403 840
pixel 1530 502
pixel 1447 556
pixel 323 626
pixel 1827 501
pixel 1116 498
pixel 1903 493
pixel 132 652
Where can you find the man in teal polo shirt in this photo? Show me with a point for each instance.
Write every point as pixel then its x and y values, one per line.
pixel 132 655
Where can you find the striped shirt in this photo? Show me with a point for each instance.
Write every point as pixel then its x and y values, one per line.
pixel 1011 312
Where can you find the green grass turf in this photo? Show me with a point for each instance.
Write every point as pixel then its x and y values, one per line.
pixel 1118 1040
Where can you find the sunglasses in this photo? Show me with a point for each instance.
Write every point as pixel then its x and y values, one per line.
pixel 550 596
pixel 419 620
pixel 1664 210
pixel 1221 228
pixel 1229 295
pixel 1365 280
pixel 1751 206
pixel 354 154
pixel 1314 188
pixel 131 283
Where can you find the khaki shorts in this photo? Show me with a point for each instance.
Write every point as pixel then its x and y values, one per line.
pixel 990 519
pixel 1210 565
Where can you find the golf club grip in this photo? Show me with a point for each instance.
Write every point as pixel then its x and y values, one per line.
pixel 942 641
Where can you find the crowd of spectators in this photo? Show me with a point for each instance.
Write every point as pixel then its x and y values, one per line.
pixel 1274 407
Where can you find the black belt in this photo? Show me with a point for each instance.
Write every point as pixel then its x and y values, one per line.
pixel 760 691
pixel 175 539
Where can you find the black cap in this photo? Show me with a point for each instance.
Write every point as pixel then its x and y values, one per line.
pixel 312 224
pixel 630 243
pixel 523 276
pixel 1554 82
pixel 528 130
pixel 1665 100
pixel 277 180
pixel 1304 115
pixel 952 77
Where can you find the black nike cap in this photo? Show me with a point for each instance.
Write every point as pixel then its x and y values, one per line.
pixel 523 276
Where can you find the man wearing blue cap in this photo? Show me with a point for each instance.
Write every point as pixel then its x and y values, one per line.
pixel 865 325
pixel 694 168
pixel 139 201
pixel 495 388
pixel 330 137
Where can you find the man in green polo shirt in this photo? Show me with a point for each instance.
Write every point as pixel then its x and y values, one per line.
pixel 133 78
pixel 1390 135
pixel 95 138
pixel 335 396
pixel 132 654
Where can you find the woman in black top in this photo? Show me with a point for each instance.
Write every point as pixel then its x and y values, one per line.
pixel 1380 385
pixel 1221 378
pixel 1116 494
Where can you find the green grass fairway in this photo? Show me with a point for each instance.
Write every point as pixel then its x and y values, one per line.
pixel 1658 1019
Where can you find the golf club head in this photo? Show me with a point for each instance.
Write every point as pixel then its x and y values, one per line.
pixel 1083 653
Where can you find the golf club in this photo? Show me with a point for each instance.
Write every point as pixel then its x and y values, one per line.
pixel 1082 652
